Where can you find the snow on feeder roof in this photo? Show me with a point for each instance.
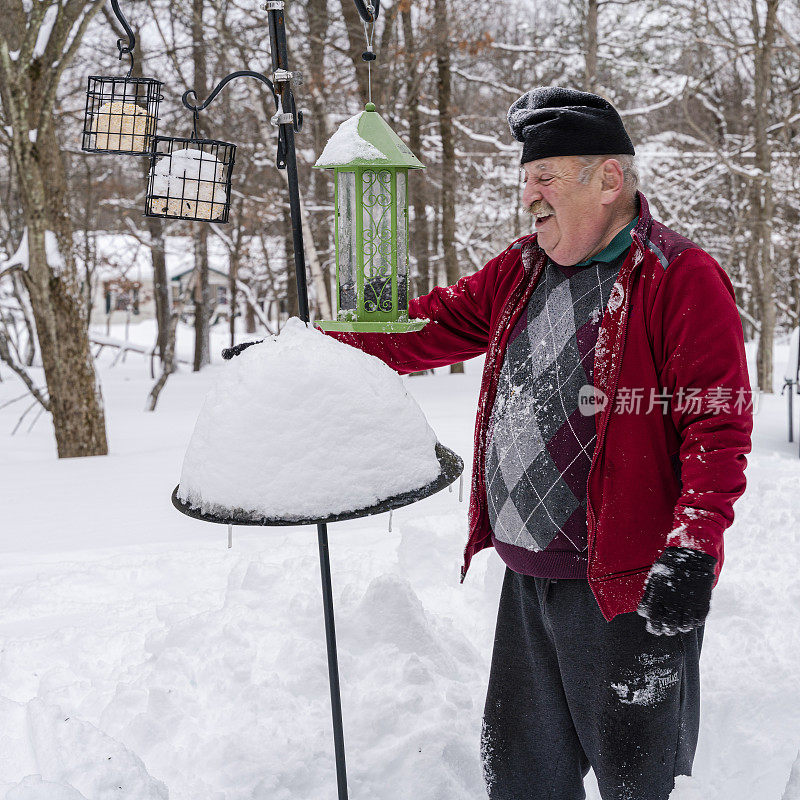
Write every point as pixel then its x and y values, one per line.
pixel 371 165
pixel 303 426
pixel 363 139
pixel 190 179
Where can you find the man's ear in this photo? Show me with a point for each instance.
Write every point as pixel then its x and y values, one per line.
pixel 613 180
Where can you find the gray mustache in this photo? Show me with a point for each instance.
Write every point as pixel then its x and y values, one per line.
pixel 539 208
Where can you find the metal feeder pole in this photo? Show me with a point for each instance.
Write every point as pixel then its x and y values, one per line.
pixel 282 75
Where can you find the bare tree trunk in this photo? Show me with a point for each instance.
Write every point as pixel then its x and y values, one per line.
pixel 168 365
pixel 233 273
pixel 28 87
pixel 764 208
pixel 202 299
pixel 590 46
pixel 419 232
pixel 319 224
pixel 158 256
pixel 443 96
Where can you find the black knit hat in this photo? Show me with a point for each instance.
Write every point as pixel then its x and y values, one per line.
pixel 552 121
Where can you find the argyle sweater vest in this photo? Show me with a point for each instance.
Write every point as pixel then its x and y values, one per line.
pixel 541 436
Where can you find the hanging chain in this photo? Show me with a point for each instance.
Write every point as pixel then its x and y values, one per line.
pixel 369 55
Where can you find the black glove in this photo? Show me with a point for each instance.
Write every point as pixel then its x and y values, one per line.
pixel 229 352
pixel 677 594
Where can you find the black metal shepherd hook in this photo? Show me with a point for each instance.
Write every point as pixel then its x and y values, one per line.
pixel 124 50
pixel 296 116
pixel 288 121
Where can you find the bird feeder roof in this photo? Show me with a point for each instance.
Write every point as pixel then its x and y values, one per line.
pixel 366 140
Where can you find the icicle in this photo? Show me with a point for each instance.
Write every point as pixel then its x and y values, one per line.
pixel 450 488
pixel 230 536
pixel 390 521
pixel 461 488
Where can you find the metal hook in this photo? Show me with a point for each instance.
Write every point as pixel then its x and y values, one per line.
pixel 129 48
pixel 368 11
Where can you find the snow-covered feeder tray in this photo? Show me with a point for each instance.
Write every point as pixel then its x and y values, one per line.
pixel 121 115
pixel 303 429
pixel 190 179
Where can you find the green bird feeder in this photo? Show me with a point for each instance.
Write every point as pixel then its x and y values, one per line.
pixel 371 165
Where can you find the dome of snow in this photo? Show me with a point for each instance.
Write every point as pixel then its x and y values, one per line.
pixel 189 183
pixel 303 426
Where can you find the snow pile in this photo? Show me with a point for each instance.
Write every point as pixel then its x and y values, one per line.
pixel 122 126
pixel 346 145
pixel 189 183
pixel 305 426
pixel 793 786
pixel 33 787
pixel 67 758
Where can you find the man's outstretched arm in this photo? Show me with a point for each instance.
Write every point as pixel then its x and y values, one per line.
pixel 459 326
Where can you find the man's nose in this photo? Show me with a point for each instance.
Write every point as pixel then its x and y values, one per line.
pixel 530 193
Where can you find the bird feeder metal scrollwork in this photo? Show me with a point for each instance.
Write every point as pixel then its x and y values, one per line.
pixel 371 231
pixel 121 114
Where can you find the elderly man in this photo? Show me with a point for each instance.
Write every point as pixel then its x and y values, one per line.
pixel 611 439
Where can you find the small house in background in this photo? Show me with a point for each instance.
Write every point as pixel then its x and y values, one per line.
pixel 218 285
pixel 121 294
pixel 123 286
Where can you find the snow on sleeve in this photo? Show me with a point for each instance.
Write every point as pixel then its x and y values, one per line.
pixel 189 183
pixel 305 426
pixel 346 145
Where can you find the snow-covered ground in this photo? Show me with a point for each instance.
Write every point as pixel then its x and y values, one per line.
pixel 141 659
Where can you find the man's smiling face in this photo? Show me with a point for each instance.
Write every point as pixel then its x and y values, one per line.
pixel 571 217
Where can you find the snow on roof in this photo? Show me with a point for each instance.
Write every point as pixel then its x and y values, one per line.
pixel 346 145
pixel 123 253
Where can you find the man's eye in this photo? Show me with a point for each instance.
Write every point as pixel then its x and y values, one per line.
pixel 546 179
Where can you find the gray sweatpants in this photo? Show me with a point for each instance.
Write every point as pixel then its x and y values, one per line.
pixel 569 691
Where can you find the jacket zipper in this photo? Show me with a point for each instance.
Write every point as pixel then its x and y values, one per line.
pixel 601 434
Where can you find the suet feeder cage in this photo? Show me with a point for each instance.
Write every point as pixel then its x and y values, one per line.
pixel 121 113
pixel 190 179
pixel 371 165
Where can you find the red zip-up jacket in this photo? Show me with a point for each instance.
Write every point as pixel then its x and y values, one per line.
pixel 670 330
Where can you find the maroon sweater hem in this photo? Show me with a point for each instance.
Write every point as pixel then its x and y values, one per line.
pixel 542 563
